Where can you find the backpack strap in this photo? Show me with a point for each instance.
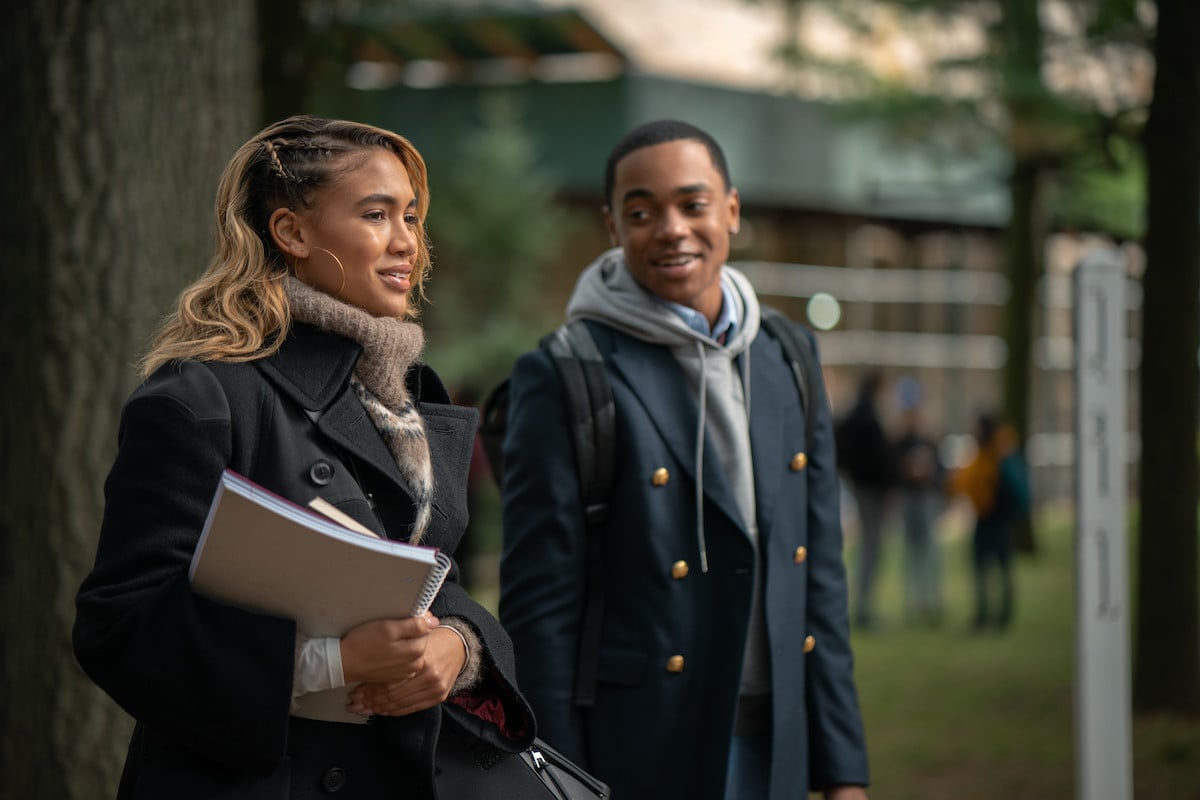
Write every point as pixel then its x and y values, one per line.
pixel 591 409
pixel 592 416
pixel 493 423
pixel 800 357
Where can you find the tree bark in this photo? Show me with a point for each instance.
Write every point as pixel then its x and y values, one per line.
pixel 1023 254
pixel 1167 651
pixel 285 58
pixel 121 115
pixel 1020 36
pixel 1024 257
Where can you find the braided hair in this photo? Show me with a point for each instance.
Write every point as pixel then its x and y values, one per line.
pixel 237 310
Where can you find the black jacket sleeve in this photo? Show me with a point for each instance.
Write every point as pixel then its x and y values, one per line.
pixel 212 677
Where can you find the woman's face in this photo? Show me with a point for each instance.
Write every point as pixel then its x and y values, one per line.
pixel 367 220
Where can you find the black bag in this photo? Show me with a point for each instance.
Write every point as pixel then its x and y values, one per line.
pixel 468 769
pixel 561 775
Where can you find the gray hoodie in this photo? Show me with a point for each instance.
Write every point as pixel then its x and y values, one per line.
pixel 606 292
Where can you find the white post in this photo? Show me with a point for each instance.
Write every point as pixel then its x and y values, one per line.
pixel 1103 760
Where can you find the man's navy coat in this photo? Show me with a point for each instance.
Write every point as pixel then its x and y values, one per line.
pixel 673 636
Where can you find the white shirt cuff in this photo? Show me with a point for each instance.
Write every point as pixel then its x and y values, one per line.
pixel 318 665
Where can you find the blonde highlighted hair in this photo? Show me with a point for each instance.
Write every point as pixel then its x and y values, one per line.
pixel 237 310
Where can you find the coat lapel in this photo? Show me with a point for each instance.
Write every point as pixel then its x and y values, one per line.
pixel 451 433
pixel 772 392
pixel 313 368
pixel 654 377
pixel 347 424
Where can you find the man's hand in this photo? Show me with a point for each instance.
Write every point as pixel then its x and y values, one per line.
pixel 846 793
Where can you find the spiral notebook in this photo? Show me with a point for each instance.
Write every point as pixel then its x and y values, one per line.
pixel 267 554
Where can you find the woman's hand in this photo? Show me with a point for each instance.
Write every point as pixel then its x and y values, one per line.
pixel 405 665
pixel 386 649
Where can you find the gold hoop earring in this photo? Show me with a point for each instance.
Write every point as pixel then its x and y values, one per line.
pixel 337 261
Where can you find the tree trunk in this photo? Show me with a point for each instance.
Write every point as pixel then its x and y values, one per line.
pixel 1167 653
pixel 285 56
pixel 121 115
pixel 1024 257
pixel 1020 36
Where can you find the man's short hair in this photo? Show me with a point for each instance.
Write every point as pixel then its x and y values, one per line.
pixel 660 132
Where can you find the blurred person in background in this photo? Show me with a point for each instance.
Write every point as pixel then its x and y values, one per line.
pixel 724 669
pixel 921 477
pixel 866 457
pixel 996 482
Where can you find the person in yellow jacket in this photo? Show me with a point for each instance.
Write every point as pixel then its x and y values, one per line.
pixel 996 483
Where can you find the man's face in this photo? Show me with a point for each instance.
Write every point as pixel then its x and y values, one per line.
pixel 673 214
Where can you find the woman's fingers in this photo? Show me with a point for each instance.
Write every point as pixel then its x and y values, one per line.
pixel 418 692
pixel 386 650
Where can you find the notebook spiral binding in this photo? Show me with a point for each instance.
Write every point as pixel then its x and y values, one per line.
pixel 437 576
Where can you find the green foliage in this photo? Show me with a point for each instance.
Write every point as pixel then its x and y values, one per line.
pixel 495 226
pixel 1108 196
pixel 1118 19
pixel 1011 108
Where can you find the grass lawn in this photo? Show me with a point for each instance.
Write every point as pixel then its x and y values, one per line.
pixel 951 714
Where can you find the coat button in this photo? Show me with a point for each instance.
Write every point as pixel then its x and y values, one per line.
pixel 660 477
pixel 679 570
pixel 809 644
pixel 799 462
pixel 801 554
pixel 333 780
pixel 321 472
pixel 675 664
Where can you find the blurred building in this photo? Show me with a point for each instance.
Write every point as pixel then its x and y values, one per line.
pixel 904 234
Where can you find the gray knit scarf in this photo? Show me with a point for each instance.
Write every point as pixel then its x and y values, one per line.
pixel 390 347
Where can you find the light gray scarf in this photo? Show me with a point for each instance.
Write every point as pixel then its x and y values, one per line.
pixel 390 347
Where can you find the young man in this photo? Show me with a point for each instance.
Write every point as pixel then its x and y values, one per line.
pixel 724 668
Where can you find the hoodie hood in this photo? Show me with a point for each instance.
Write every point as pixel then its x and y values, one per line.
pixel 606 292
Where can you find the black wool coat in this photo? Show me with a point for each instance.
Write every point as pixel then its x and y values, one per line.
pixel 210 685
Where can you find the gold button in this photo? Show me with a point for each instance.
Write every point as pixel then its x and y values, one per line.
pixel 801 554
pixel 675 664
pixel 679 570
pixel 660 477
pixel 799 462
pixel 809 644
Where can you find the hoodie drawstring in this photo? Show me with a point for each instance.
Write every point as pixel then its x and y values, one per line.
pixel 701 422
pixel 745 356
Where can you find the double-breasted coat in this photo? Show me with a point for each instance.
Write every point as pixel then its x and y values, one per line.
pixel 210 685
pixel 673 636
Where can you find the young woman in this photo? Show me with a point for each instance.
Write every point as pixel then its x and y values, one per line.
pixel 294 361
